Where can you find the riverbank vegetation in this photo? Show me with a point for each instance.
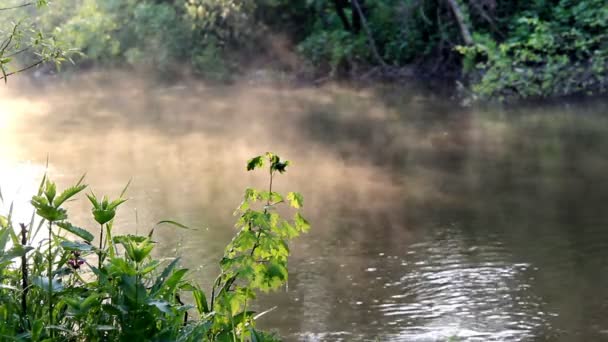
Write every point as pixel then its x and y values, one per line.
pixel 496 49
pixel 58 283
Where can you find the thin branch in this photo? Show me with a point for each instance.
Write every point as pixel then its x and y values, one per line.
pixel 9 40
pixel 370 37
pixel 18 52
pixel 21 70
pixel 15 7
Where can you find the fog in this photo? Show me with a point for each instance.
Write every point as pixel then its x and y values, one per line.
pixel 426 217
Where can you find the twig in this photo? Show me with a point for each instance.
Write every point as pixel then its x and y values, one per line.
pixel 21 70
pixel 8 40
pixel 15 7
pixel 18 52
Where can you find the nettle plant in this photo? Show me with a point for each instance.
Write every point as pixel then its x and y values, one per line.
pixel 67 287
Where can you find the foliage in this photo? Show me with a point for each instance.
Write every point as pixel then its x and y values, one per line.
pixel 501 49
pixel 564 51
pixel 23 45
pixel 129 295
pixel 331 50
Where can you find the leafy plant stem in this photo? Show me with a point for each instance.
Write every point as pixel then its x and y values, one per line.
pixel 257 238
pixel 100 245
pixel 50 275
pixel 24 272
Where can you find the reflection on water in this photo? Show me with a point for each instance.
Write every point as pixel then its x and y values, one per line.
pixel 430 222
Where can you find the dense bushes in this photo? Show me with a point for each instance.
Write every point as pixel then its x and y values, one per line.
pixel 58 284
pixel 562 50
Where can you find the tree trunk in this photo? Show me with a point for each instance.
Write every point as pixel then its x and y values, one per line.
pixel 464 29
pixel 368 32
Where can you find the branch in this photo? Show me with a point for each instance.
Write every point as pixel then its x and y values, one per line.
pixel 4 77
pixel 8 40
pixel 15 7
pixel 464 30
pixel 18 52
pixel 368 32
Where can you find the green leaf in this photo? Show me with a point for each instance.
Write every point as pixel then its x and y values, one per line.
pixel 295 200
pixel 149 267
pixel 68 193
pixel 160 280
pixel 137 247
pixel 301 223
pixel 46 211
pixel 80 232
pixel 93 199
pixel 116 203
pixel 254 163
pixel 201 300
pixel 90 301
pixel 173 281
pixel 112 309
pixel 4 236
pixel 75 246
pixel 43 180
pixel 15 252
pixel 243 316
pixel 170 222
pixel 50 190
pixel 103 216
pixel 280 166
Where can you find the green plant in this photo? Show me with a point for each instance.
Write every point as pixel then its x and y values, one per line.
pixel 128 294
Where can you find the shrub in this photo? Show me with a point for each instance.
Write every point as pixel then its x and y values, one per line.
pixel 51 291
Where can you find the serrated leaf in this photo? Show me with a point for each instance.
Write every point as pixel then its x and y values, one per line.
pixel 116 203
pixel 68 193
pixel 102 216
pixel 48 212
pixel 80 232
pixel 50 190
pixel 93 199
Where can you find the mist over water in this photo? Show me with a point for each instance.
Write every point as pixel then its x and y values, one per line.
pixel 429 221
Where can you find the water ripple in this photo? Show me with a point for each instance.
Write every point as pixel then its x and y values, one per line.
pixel 473 294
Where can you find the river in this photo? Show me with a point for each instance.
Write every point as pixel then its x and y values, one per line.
pixel 429 221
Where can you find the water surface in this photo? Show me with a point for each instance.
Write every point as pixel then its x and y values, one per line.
pixel 430 221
